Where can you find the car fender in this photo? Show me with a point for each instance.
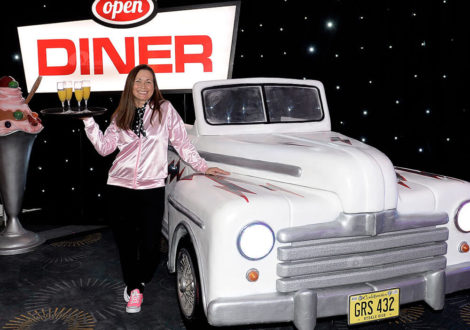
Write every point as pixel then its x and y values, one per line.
pixel 214 210
pixel 421 191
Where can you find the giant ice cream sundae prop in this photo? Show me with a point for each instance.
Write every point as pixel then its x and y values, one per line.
pixel 19 127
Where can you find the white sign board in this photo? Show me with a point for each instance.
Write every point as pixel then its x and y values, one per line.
pixel 182 46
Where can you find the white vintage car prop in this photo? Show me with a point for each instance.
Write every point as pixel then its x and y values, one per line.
pixel 310 223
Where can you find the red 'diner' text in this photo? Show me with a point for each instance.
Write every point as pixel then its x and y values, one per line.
pixel 87 59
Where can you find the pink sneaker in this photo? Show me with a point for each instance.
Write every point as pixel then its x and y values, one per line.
pixel 135 301
pixel 126 296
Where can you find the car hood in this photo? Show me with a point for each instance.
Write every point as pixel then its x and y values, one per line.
pixel 361 176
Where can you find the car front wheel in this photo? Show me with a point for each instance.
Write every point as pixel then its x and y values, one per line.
pixel 188 286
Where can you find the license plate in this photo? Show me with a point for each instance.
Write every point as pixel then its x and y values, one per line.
pixel 374 306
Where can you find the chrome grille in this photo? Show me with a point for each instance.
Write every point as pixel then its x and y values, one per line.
pixel 342 261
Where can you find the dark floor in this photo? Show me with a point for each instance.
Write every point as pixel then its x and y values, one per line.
pixel 74 282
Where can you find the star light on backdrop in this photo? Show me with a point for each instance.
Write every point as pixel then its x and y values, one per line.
pixel 395 74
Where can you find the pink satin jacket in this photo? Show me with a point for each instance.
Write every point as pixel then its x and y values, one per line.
pixel 142 161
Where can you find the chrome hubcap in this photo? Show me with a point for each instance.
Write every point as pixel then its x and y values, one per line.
pixel 186 285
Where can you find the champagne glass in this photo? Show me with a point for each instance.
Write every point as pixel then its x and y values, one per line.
pixel 78 90
pixel 62 93
pixel 86 92
pixel 68 93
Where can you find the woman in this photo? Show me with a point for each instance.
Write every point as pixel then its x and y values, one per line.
pixel 140 128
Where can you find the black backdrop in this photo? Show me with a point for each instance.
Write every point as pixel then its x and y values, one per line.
pixel 395 72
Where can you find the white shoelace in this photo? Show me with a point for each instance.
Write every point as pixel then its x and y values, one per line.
pixel 135 298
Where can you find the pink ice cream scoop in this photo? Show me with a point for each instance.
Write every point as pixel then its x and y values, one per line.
pixel 15 114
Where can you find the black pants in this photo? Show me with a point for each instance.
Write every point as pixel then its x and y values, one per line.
pixel 136 221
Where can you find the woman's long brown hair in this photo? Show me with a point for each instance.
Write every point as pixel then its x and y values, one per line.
pixel 124 114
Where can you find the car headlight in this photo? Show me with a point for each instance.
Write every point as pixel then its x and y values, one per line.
pixel 462 217
pixel 255 241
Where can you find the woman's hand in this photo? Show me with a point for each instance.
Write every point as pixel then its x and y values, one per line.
pixel 215 171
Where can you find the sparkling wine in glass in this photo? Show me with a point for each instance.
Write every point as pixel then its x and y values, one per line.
pixel 86 91
pixel 62 93
pixel 68 92
pixel 77 86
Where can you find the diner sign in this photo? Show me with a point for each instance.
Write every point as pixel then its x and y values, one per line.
pixel 183 46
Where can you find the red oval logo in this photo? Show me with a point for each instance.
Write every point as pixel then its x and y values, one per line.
pixel 123 12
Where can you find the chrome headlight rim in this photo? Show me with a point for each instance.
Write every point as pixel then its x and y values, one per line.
pixel 458 214
pixel 240 236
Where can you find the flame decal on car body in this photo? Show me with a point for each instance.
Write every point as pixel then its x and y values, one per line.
pixel 226 185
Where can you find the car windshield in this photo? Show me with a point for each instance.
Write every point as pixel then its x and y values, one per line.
pixel 261 104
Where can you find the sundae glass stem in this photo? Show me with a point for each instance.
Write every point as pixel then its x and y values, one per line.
pixel 13 227
pixel 15 149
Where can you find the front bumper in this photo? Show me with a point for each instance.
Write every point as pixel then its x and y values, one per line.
pixel 305 306
pixel 457 277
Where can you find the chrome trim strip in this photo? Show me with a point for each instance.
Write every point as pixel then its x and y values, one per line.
pixel 361 224
pixel 252 163
pixel 189 214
